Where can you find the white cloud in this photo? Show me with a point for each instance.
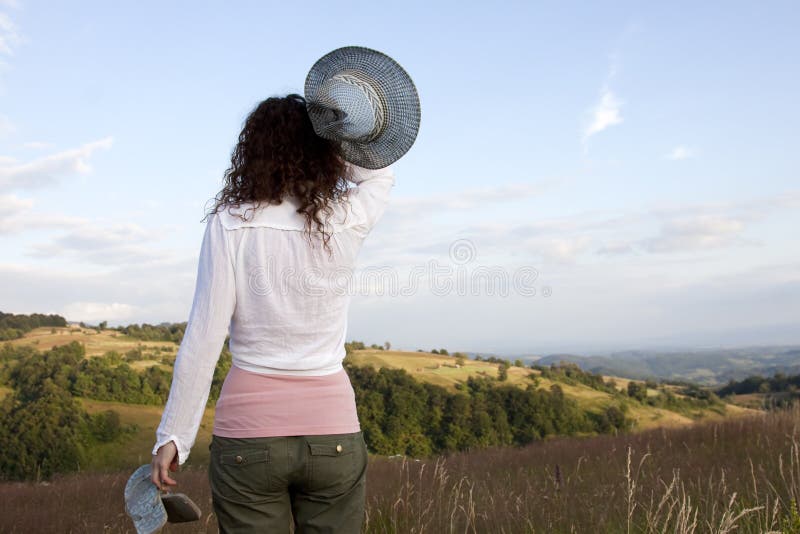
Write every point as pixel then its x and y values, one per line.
pixel 414 207
pixel 656 230
pixel 615 248
pixel 154 292
pixel 9 36
pixel 12 205
pixel 18 215
pixel 98 311
pixel 27 220
pixel 788 200
pixel 701 232
pixel 87 241
pixel 605 113
pixel 558 249
pixel 36 145
pixel 102 243
pixel 47 170
pixel 680 152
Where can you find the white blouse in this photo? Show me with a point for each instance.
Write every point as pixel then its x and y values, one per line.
pixel 283 301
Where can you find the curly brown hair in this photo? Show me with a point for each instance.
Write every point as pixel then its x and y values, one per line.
pixel 279 154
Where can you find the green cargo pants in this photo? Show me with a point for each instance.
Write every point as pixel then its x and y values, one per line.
pixel 265 484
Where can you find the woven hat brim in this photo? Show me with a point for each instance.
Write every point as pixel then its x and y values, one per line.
pixel 403 111
pixel 143 502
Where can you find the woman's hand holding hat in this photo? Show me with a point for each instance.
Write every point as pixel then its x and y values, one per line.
pixel 164 461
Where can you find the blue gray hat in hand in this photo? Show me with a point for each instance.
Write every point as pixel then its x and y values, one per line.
pixel 150 509
pixel 365 101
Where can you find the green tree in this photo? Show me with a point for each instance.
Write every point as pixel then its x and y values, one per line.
pixel 42 435
pixel 502 373
pixel 105 426
pixel 637 390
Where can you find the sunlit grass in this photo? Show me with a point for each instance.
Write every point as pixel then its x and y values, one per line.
pixel 729 476
pixel 96 343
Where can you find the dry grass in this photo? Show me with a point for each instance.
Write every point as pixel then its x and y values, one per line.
pixel 719 477
pixel 428 367
pixel 141 365
pixel 97 343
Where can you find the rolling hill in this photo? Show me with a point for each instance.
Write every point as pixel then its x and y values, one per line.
pixel 427 367
pixel 708 367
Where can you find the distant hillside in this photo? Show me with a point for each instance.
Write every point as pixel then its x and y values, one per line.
pixel 414 403
pixel 706 367
pixel 437 369
pixel 442 370
pixel 777 391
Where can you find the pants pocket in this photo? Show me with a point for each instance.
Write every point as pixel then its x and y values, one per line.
pixel 334 463
pixel 239 473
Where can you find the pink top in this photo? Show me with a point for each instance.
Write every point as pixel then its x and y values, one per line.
pixel 255 405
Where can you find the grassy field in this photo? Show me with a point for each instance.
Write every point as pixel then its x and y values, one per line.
pixel 737 475
pixel 96 343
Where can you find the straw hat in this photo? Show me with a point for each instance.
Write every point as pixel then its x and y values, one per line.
pixel 364 100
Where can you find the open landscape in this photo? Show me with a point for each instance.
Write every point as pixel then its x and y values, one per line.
pixel 550 243
pixel 679 458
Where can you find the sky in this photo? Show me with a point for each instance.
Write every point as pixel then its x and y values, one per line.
pixel 628 171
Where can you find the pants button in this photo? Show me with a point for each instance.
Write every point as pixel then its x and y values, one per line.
pixel 339 448
pixel 239 459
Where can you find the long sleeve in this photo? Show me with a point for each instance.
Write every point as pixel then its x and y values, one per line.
pixel 371 194
pixel 208 325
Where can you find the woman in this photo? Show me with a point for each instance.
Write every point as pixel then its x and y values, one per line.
pixel 275 263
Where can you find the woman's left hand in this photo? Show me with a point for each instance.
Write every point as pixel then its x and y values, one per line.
pixel 164 461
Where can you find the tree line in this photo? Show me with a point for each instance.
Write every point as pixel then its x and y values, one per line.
pixel 14 326
pixel 778 383
pixel 780 390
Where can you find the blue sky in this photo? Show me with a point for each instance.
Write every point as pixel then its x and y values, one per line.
pixel 641 158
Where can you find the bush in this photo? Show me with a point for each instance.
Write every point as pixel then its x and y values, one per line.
pixel 502 373
pixel 637 390
pixel 106 426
